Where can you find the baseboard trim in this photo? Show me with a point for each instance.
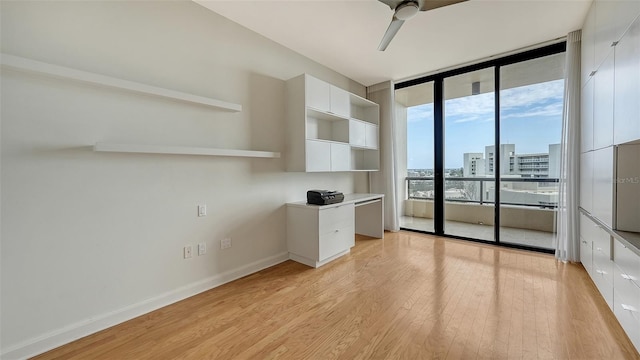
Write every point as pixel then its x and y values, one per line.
pixel 67 334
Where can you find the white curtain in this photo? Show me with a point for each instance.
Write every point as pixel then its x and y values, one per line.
pixel 384 181
pixel 568 237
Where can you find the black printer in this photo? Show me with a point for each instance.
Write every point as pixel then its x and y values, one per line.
pixel 324 197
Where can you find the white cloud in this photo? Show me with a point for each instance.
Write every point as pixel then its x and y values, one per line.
pixel 554 109
pixel 481 107
pixel 420 113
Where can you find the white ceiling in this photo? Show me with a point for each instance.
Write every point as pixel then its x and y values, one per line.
pixel 344 35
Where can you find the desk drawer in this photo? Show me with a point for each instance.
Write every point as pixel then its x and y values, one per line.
pixel 602 276
pixel 627 261
pixel 336 218
pixel 335 242
pixel 587 228
pixel 629 318
pixel 602 242
pixel 625 288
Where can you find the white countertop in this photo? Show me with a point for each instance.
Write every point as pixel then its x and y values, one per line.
pixel 348 199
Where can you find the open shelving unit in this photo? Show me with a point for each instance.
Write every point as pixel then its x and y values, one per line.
pixel 41 68
pixel 181 150
pixel 60 72
pixel 330 129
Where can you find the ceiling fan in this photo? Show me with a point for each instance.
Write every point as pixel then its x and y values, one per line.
pixel 405 10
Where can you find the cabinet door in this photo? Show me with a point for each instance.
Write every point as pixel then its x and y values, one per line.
pixel 627 86
pixel 317 94
pixel 337 230
pixel 357 133
pixel 371 136
pixel 586 115
pixel 340 157
pixel 340 102
pixel 603 184
pixel 612 19
pixel 318 156
pixel 628 188
pixel 602 273
pixel 629 318
pixel 586 181
pixel 603 104
pixel 588 44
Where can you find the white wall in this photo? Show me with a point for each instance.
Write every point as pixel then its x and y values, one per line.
pixel 89 238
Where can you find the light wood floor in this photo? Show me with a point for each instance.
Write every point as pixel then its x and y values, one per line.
pixel 409 296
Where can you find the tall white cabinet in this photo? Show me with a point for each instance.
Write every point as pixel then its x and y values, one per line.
pixel 330 129
pixel 610 157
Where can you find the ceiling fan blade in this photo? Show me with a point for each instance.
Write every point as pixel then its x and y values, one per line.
pixel 392 30
pixel 426 5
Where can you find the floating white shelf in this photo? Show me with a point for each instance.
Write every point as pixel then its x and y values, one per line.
pixel 41 68
pixel 181 150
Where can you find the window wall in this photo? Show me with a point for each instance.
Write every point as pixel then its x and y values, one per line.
pixel 482 149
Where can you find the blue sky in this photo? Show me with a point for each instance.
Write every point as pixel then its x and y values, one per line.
pixel 531 119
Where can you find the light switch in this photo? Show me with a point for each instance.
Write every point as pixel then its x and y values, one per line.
pixel 202 210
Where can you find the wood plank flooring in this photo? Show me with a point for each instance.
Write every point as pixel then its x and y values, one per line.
pixel 409 296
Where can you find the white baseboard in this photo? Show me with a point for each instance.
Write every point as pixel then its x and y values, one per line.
pixel 67 334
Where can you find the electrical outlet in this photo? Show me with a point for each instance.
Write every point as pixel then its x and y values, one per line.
pixel 202 249
pixel 188 252
pixel 225 243
pixel 202 210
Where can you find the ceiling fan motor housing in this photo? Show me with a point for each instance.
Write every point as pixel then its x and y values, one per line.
pixel 407 10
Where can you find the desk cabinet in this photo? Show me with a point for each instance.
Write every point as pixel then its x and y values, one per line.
pixel 319 234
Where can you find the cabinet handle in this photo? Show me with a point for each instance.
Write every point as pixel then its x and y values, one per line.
pixel 601 272
pixel 628 277
pixel 584 242
pixel 337 230
pixel 629 308
pixel 599 249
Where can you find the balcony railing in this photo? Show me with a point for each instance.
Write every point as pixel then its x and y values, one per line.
pixel 532 192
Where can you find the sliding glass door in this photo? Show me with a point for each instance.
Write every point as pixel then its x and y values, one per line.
pixel 483 148
pixel 415 116
pixel 469 134
pixel 531 99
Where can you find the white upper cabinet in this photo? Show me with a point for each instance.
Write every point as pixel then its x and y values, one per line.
pixel 612 20
pixel 363 134
pixel 327 98
pixel 627 188
pixel 586 181
pixel 340 157
pixel 627 86
pixel 357 133
pixel 588 45
pixel 371 136
pixel 586 117
pixel 318 94
pixel 318 156
pixel 603 184
pixel 329 129
pixel 603 104
pixel 605 24
pixel 340 104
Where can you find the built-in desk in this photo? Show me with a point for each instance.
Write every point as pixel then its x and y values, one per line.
pixel 317 234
